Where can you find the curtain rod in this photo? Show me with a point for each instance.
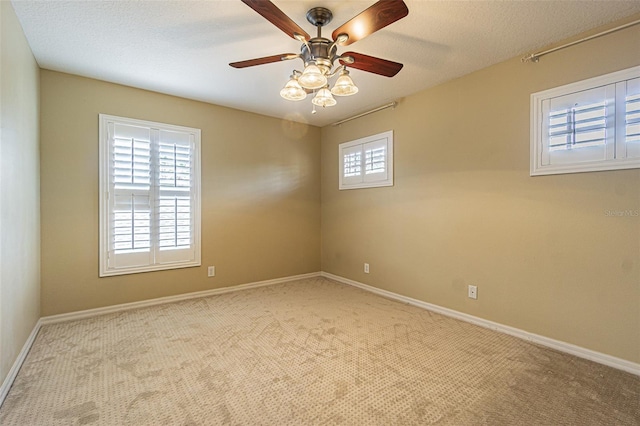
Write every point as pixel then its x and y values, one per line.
pixel 535 57
pixel 390 105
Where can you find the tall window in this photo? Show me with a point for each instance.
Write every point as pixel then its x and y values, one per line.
pixel 586 126
pixel 149 196
pixel 367 162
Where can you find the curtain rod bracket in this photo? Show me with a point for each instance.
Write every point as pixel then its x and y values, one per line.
pixel 530 58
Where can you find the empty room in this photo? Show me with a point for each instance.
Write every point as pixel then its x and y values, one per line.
pixel 253 212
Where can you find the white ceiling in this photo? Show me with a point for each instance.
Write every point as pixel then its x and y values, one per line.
pixel 183 48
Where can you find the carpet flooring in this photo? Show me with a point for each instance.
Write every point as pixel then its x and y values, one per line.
pixel 307 352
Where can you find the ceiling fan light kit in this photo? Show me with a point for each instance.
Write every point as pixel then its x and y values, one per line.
pixel 319 54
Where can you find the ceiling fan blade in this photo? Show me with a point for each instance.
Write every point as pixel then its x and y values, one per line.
pixel 265 60
pixel 376 17
pixel 271 13
pixel 371 64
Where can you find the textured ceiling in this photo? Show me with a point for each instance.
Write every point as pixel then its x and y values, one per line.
pixel 183 48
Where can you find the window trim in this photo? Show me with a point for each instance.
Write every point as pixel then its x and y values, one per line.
pixel 536 124
pixel 388 135
pixel 103 194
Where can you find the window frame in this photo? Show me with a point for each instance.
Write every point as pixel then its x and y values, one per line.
pixel 104 194
pixel 537 136
pixel 344 182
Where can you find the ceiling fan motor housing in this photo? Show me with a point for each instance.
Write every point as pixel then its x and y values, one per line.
pixel 320 51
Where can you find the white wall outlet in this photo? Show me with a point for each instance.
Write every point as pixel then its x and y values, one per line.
pixel 366 268
pixel 211 271
pixel 473 292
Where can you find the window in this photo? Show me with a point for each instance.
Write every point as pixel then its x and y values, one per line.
pixel 587 126
pixel 149 196
pixel 367 162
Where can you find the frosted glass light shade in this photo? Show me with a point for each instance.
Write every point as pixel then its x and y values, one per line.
pixel 324 98
pixel 292 91
pixel 312 78
pixel 344 85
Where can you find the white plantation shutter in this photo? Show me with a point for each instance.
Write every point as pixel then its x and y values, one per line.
pixel 150 194
pixel 631 148
pixel 587 126
pixel 352 161
pixel 174 201
pixel 352 164
pixel 129 196
pixel 579 127
pixel 375 160
pixel 130 231
pixel 367 162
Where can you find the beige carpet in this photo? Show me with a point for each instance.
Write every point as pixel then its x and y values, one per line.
pixel 310 352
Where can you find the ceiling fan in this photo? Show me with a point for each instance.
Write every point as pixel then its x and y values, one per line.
pixel 319 53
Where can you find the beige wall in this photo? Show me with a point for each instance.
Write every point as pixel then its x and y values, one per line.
pixel 260 195
pixel 19 190
pixel 464 210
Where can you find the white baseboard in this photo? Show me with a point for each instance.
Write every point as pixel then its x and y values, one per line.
pixel 611 361
pixel 52 319
pixel 15 368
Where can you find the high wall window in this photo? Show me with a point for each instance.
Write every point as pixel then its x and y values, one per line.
pixel 149 196
pixel 367 162
pixel 587 126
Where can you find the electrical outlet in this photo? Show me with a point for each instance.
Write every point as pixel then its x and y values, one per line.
pixel 366 268
pixel 473 292
pixel 211 271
